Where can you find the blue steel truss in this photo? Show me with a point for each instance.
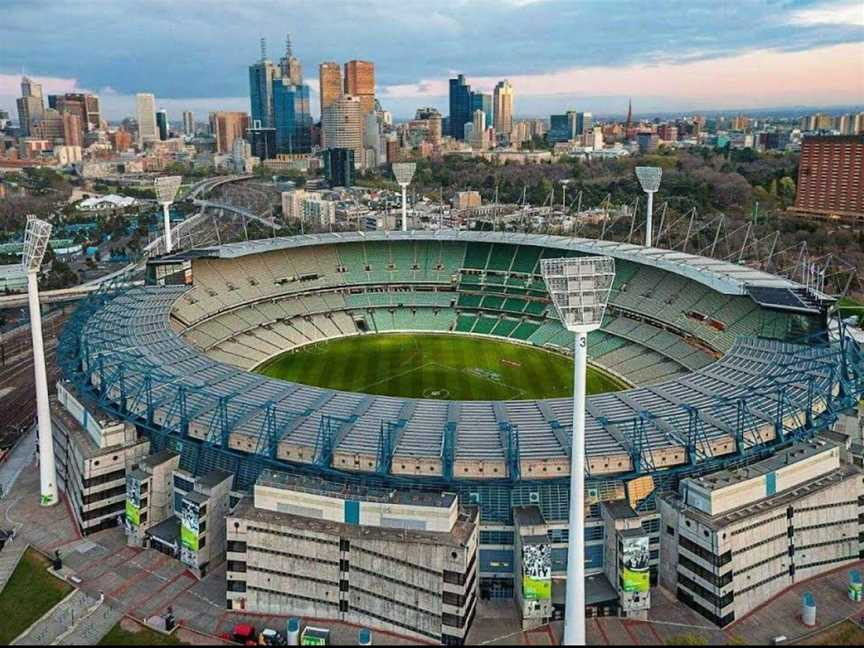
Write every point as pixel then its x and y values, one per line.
pixel 828 378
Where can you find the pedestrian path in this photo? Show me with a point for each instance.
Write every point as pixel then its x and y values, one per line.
pixel 75 609
pixel 9 557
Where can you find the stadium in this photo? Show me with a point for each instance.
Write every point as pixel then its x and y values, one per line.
pixel 700 365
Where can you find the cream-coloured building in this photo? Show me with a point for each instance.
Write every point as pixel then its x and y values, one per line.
pixel 93 455
pixel 503 107
pixel 404 562
pixel 733 539
pixel 342 126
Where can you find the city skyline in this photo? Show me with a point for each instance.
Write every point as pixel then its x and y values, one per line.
pixel 681 58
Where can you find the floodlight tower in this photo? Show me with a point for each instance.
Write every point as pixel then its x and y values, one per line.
pixel 404 172
pixel 35 245
pixel 579 288
pixel 166 190
pixel 649 178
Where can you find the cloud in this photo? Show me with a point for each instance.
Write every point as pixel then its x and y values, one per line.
pixel 851 13
pixel 202 50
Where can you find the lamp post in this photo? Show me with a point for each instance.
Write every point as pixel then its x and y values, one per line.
pixel 579 288
pixel 404 172
pixel 35 245
pixel 166 189
pixel 649 178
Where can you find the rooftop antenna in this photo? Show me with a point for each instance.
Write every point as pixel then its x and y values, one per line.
pixel 263 49
pixel 288 52
pixel 36 238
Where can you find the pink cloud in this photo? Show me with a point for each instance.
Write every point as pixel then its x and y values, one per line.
pixel 828 75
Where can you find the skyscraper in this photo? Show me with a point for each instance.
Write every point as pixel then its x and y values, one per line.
pixel 342 125
pixel 503 119
pixel 360 83
pixel 480 101
pixel 162 124
pixel 227 126
pixel 145 104
pixel 261 76
pixel 188 123
pixel 831 176
pixel 292 119
pixel 460 106
pixel 289 65
pixel 30 106
pixel 330 81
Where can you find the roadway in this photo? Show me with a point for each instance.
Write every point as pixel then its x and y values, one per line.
pixel 151 249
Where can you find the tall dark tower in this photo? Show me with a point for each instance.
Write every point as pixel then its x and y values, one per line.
pixel 629 115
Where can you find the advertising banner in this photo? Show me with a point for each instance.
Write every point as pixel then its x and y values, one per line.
pixel 636 575
pixel 133 501
pixel 189 518
pixel 537 572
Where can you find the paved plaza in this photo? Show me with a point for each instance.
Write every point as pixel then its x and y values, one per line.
pixel 143 582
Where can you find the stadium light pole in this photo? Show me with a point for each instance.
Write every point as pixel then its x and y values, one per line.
pixel 166 190
pixel 579 288
pixel 404 173
pixel 36 239
pixel 649 178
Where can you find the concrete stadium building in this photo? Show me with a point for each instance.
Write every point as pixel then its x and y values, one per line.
pixel 727 365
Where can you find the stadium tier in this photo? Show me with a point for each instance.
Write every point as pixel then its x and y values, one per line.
pixel 714 373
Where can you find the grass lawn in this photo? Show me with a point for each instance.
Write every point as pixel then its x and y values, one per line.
pixel 129 633
pixel 849 306
pixel 30 593
pixel 843 634
pixel 447 367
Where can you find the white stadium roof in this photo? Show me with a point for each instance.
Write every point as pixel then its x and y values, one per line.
pixel 722 276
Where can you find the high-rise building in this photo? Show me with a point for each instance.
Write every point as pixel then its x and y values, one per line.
pixel 339 166
pixel 330 82
pixel 30 106
pixel 262 140
pixel 360 83
pixel 226 127
pixel 480 101
pixel 85 106
pixel 342 125
pixel 49 127
pixel 292 119
pixel 831 176
pixel 584 122
pixel 188 123
pixel 460 106
pixel 434 122
pixel 162 124
pixel 261 76
pixel 121 140
pixel 503 105
pixel 145 104
pixel 73 133
pixel 560 128
pixel 478 130
pixel 289 65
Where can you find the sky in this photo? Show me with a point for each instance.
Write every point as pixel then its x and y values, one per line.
pixel 668 55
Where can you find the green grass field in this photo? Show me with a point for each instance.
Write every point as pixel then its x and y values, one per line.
pixel 446 367
pixel 30 592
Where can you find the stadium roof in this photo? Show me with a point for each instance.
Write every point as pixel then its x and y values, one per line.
pixel 722 276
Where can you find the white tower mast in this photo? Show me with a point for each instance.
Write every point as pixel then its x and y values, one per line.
pixel 404 172
pixel 649 178
pixel 35 245
pixel 579 287
pixel 166 189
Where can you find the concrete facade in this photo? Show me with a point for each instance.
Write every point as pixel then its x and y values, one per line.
pixel 403 562
pixel 93 456
pixel 734 539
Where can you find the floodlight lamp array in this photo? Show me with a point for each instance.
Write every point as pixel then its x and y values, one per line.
pixel 649 178
pixel 36 238
pixel 166 188
pixel 404 172
pixel 579 288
